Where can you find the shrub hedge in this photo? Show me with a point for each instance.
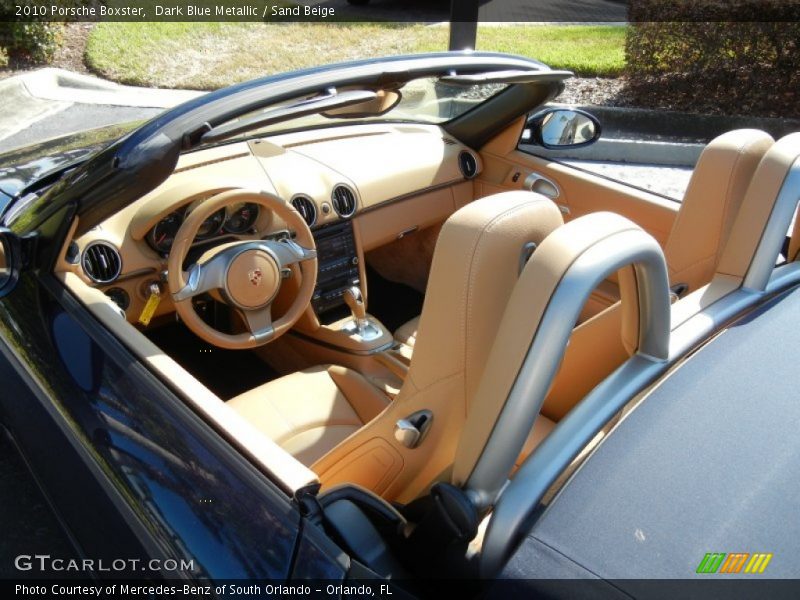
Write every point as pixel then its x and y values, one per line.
pixel 710 36
pixel 29 42
pixel 739 54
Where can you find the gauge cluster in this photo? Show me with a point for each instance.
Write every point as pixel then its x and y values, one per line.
pixel 237 219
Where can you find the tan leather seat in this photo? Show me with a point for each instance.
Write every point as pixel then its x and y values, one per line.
pixel 309 412
pixel 692 251
pixel 475 268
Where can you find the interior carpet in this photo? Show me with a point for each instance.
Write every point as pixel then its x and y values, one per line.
pixel 227 373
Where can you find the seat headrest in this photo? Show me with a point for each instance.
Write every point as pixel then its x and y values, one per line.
pixel 475 266
pixel 712 200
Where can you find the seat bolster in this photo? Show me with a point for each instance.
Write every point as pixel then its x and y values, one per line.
pixel 407 332
pixel 365 399
pixel 759 201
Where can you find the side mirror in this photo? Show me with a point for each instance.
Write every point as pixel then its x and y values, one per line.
pixel 560 128
pixel 10 260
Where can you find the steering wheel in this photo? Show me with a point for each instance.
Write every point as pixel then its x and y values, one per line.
pixel 248 274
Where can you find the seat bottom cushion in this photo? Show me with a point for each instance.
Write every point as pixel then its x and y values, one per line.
pixel 310 412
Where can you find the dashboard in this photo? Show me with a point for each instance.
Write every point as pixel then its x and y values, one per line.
pixel 358 187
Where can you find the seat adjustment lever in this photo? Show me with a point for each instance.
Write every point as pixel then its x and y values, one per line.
pixel 411 431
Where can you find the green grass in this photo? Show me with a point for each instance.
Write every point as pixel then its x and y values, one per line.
pixel 585 49
pixel 211 55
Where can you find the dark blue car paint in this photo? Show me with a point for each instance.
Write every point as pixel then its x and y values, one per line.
pixel 22 167
pixel 132 471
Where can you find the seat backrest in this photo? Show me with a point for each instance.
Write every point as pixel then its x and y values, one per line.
pixel 475 267
pixel 693 251
pixel 710 205
pixel 536 329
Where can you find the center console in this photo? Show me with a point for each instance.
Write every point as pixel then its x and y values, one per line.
pixel 338 329
pixel 337 259
pixel 340 320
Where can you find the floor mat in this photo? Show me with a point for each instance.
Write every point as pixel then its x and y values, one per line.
pixel 392 303
pixel 227 373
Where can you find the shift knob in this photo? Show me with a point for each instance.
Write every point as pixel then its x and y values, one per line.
pixel 355 301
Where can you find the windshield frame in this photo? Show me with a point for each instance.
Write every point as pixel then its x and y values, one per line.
pixel 139 162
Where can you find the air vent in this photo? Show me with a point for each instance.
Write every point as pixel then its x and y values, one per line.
pixel 307 209
pixel 468 164
pixel 448 142
pixel 344 201
pixel 101 262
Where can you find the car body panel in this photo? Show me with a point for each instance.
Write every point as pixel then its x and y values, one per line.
pixel 705 463
pixel 21 167
pixel 182 491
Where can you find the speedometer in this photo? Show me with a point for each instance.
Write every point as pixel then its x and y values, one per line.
pixel 211 225
pixel 241 217
pixel 162 235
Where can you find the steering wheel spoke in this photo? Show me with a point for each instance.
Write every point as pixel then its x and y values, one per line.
pixel 203 277
pixel 259 322
pixel 288 252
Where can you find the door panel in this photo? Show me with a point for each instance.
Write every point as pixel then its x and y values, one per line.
pixel 579 192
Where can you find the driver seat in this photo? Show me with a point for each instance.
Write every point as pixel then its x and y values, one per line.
pixel 336 422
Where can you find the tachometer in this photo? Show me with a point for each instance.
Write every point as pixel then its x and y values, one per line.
pixel 241 217
pixel 211 226
pixel 162 235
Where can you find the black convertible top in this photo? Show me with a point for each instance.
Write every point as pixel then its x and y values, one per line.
pixel 709 462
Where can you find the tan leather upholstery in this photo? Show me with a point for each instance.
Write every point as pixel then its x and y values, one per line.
pixel 761 194
pixel 693 249
pixel 309 412
pixel 475 267
pixel 524 311
pixel 711 203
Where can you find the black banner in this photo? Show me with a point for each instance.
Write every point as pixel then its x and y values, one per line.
pixel 699 588
pixel 488 11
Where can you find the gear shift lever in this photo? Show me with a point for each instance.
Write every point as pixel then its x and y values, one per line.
pixel 355 302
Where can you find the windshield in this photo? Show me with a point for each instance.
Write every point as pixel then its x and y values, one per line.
pixel 426 100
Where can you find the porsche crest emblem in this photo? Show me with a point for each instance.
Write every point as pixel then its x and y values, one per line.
pixel 255 276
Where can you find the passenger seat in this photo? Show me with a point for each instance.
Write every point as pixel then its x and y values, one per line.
pixel 694 246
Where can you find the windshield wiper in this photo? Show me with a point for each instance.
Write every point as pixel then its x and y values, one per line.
pixel 286 113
